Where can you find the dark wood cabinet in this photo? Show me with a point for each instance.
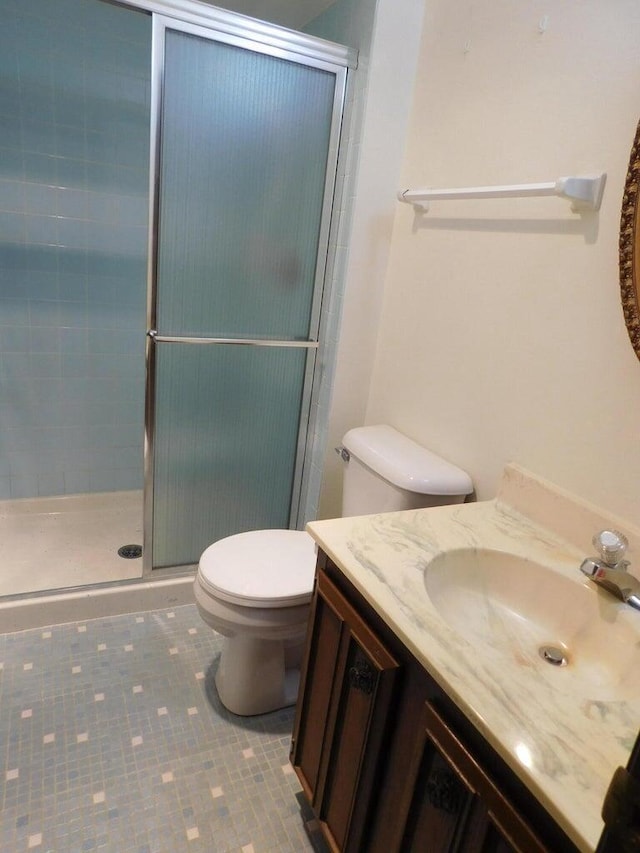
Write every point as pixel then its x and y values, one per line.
pixel 386 761
pixel 344 713
pixel 621 808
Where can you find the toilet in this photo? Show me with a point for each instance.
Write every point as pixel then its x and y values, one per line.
pixel 255 588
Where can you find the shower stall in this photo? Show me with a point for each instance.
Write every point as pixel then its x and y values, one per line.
pixel 167 176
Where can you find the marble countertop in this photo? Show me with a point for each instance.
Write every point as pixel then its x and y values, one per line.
pixel 563 741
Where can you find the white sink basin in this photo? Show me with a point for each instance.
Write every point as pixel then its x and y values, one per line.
pixel 537 616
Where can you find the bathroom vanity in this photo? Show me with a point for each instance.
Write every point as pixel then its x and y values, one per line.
pixel 428 716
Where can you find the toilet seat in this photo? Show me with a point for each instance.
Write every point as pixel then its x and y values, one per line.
pixel 261 568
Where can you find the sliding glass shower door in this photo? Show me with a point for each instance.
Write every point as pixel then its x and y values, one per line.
pixel 245 175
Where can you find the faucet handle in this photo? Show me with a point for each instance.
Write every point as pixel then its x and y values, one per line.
pixel 611 545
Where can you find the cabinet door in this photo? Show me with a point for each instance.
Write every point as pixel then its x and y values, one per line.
pixel 456 806
pixel 342 717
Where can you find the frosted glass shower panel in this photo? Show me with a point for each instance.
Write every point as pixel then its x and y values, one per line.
pixel 246 170
pixel 245 140
pixel 227 422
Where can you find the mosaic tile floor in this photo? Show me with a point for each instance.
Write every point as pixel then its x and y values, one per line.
pixel 112 739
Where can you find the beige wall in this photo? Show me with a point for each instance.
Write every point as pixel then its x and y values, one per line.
pixel 501 335
pixel 387 74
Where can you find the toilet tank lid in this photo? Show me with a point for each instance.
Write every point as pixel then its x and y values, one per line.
pixel 404 463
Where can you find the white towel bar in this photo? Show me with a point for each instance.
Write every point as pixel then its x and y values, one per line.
pixel 584 193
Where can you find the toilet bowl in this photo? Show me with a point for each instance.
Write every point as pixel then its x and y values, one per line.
pixel 255 588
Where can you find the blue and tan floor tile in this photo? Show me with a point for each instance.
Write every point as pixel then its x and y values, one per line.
pixel 112 739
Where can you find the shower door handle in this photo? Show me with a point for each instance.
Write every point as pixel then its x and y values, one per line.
pixel 253 342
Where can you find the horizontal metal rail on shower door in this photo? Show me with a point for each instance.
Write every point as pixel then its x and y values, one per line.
pixel 252 342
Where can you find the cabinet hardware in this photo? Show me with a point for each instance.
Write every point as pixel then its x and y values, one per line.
pixel 444 791
pixel 362 677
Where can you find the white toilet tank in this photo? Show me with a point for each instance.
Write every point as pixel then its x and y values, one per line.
pixel 385 471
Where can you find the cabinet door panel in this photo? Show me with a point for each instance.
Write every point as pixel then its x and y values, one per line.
pixel 343 717
pixel 442 801
pixel 316 688
pixel 456 806
pixel 362 714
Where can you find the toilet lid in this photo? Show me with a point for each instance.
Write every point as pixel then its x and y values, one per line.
pixel 261 568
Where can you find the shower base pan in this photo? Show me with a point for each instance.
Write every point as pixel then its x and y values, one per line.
pixel 68 541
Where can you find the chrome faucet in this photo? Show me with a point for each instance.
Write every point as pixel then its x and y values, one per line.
pixel 610 570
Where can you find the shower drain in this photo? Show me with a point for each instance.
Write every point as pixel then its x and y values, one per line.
pixel 130 552
pixel 553 655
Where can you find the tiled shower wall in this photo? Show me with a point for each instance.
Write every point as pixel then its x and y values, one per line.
pixel 74 154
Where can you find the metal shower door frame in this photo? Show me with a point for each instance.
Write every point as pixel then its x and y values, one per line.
pixel 235 30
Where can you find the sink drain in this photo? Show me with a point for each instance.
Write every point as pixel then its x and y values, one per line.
pixel 130 552
pixel 553 655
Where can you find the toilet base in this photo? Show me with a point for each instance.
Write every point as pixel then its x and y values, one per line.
pixel 256 676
